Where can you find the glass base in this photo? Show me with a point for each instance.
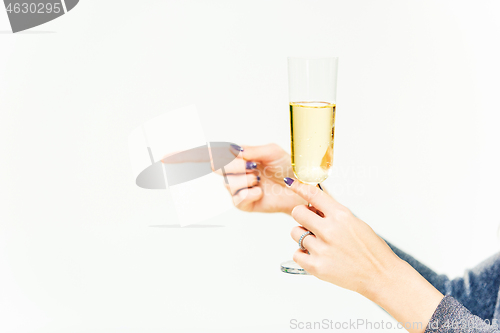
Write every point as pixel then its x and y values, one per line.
pixel 291 267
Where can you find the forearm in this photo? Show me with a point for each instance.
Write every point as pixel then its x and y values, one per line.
pixel 439 281
pixel 405 295
pixel 477 290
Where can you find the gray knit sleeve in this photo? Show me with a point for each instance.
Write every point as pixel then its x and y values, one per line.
pixel 451 316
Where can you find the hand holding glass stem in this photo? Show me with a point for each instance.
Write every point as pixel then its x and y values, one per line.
pixel 344 250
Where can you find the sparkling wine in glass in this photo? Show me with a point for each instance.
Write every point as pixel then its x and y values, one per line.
pixel 312 84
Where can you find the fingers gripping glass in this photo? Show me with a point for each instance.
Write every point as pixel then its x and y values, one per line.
pixel 312 84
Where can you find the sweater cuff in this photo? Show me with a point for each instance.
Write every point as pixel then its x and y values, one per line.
pixel 451 316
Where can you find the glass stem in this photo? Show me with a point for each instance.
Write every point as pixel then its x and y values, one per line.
pixel 318 186
pixel 311 206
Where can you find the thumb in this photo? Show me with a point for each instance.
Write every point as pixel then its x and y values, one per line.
pixel 319 199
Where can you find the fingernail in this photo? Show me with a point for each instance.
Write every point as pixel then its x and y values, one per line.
pixel 288 181
pixel 251 165
pixel 258 178
pixel 236 147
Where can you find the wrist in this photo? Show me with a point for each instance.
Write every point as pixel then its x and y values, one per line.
pixel 387 277
pixel 405 295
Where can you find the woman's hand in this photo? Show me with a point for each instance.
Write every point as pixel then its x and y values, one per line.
pixel 261 187
pixel 345 251
pixel 254 178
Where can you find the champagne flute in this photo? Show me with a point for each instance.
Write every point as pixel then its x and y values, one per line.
pixel 312 84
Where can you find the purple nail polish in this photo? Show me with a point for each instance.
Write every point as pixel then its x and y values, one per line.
pixel 258 178
pixel 236 147
pixel 251 165
pixel 288 181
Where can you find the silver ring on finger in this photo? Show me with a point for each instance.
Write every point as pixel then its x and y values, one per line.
pixel 307 233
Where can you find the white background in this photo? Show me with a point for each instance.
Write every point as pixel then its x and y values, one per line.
pixel 82 249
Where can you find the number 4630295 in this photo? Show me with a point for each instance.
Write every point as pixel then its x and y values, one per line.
pixel 34 8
